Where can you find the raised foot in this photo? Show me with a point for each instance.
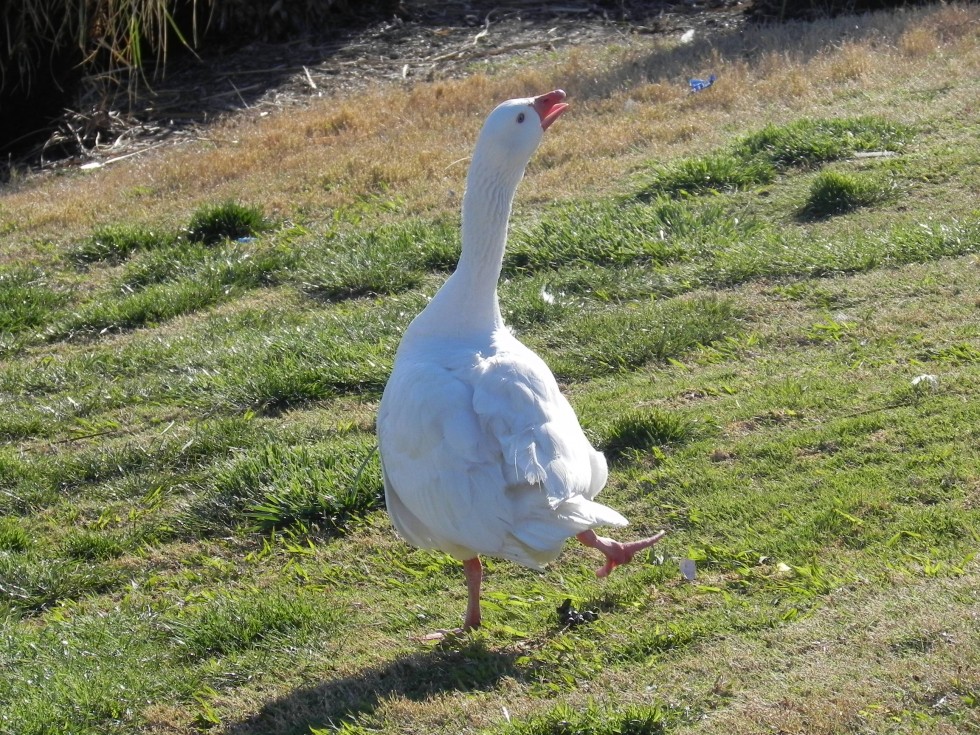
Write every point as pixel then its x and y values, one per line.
pixel 616 552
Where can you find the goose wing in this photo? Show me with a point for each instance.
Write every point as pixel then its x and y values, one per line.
pixel 541 442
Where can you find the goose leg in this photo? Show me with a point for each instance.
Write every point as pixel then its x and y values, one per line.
pixel 473 570
pixel 616 552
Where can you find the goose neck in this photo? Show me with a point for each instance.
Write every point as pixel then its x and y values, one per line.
pixel 486 212
pixel 467 303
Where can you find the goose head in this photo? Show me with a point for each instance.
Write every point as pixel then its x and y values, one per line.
pixel 514 129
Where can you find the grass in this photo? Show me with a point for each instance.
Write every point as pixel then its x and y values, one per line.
pixel 757 158
pixel 382 261
pixel 596 720
pixel 25 300
pixel 638 433
pixel 622 339
pixel 122 32
pixel 226 221
pixel 611 233
pixel 115 243
pixel 812 142
pixel 277 488
pixel 837 193
pixel 714 173
pixel 192 535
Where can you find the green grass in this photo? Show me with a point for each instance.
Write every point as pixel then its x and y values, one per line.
pixel 177 280
pixel 812 142
pixel 26 300
pixel 213 224
pixel 758 158
pixel 838 193
pixel 621 339
pixel 382 261
pixel 609 234
pixel 192 530
pixel 642 432
pixel 34 583
pixel 277 487
pixel 116 243
pixel 236 620
pixel 596 720
pixel 13 536
pixel 718 172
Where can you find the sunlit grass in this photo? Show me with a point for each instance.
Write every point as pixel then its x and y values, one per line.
pixel 810 142
pixel 623 339
pixel 115 243
pixel 226 221
pixel 643 432
pixel 386 260
pixel 26 298
pixel 275 487
pixel 240 619
pixel 610 233
pixel 649 720
pixel 837 193
pixel 303 163
pixel 756 158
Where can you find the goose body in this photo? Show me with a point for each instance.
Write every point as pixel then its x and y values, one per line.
pixel 481 453
pixel 496 462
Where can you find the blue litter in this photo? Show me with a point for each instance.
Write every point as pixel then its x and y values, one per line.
pixel 698 84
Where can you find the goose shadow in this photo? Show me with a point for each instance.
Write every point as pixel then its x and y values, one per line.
pixel 470 666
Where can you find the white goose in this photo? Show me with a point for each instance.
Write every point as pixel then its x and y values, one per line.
pixel 480 451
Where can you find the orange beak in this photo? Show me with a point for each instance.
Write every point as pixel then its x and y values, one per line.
pixel 549 107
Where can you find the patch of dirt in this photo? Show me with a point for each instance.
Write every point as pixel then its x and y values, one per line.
pixel 421 41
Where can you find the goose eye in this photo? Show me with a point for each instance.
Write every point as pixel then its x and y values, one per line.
pixel 520 118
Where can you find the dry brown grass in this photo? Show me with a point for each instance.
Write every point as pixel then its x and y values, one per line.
pixel 630 105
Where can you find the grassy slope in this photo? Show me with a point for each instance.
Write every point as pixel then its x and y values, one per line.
pixel 190 535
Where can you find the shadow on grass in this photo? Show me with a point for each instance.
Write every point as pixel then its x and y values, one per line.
pixel 416 676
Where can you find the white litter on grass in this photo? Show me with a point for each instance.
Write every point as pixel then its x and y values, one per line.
pixel 689 569
pixel 688 36
pixel 931 380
